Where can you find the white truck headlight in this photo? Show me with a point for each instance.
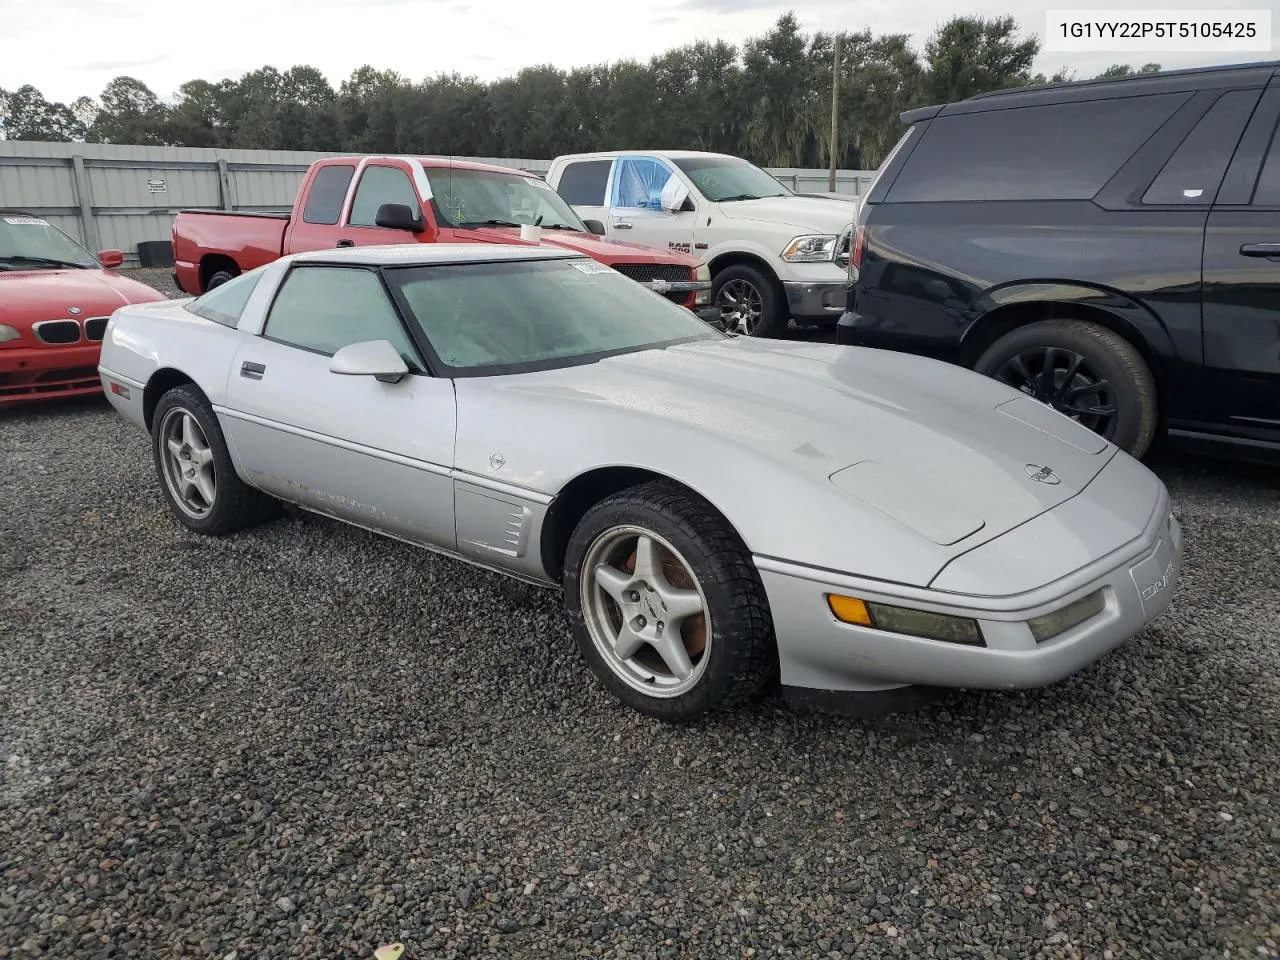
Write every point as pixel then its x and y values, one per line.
pixel 7 333
pixel 810 249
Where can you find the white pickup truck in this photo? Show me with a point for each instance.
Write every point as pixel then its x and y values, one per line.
pixel 773 254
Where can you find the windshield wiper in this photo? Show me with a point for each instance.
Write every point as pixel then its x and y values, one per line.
pixel 740 196
pixel 560 226
pixel 486 223
pixel 42 261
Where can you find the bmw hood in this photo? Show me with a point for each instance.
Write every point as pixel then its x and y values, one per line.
pixel 953 456
pixel 31 295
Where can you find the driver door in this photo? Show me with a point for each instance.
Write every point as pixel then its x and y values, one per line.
pixel 376 454
pixel 636 205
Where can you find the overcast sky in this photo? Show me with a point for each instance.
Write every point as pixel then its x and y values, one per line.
pixel 71 47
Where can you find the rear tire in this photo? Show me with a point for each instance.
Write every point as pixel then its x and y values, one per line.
pixel 1095 376
pixel 218 279
pixel 195 470
pixel 679 629
pixel 750 302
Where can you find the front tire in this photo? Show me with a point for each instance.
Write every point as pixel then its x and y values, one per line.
pixel 194 466
pixel 1082 370
pixel 751 303
pixel 666 605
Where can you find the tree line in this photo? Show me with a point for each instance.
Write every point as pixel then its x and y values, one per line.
pixel 768 101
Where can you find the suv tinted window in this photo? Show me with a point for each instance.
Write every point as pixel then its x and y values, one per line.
pixel 582 183
pixel 1268 192
pixel 1060 151
pixel 327 308
pixel 326 193
pixel 1194 172
pixel 379 185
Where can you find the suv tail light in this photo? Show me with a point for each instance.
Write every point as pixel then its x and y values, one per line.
pixel 855 259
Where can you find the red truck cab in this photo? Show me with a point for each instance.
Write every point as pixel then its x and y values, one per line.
pixel 359 201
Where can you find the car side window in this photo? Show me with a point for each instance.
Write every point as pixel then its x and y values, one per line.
pixel 583 182
pixel 1195 171
pixel 1267 193
pixel 325 195
pixel 379 185
pixel 324 309
pixel 225 302
pixel 638 183
pixel 1059 151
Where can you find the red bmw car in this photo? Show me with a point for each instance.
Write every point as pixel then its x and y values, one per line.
pixel 55 300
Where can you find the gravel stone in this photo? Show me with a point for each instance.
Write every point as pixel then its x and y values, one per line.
pixel 401 748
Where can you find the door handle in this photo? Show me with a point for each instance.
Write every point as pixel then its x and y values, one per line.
pixel 345 243
pixel 621 225
pixel 1260 249
pixel 252 371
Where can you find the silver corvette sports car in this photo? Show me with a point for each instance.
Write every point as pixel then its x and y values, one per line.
pixel 720 512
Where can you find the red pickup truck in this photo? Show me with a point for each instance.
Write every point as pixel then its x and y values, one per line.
pixel 357 201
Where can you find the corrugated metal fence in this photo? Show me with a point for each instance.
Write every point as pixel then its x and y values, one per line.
pixel 115 197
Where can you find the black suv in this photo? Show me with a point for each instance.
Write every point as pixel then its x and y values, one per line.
pixel 1110 247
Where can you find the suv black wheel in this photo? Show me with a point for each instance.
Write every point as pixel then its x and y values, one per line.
pixel 1083 370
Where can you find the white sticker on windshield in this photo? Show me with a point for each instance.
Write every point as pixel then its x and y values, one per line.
pixel 26 221
pixel 534 181
pixel 590 266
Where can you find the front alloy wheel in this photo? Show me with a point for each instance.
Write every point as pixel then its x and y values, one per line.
pixel 666 604
pixel 646 612
pixel 741 306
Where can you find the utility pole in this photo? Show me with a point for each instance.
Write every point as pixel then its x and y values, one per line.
pixel 835 114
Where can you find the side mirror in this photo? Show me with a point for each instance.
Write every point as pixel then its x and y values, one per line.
pixel 595 226
pixel 370 358
pixel 398 216
pixel 110 259
pixel 675 195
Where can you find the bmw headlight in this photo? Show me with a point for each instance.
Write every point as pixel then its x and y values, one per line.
pixel 810 249
pixel 7 333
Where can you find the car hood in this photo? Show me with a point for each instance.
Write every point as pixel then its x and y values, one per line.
pixel 598 248
pixel 952 456
pixel 820 215
pixel 31 295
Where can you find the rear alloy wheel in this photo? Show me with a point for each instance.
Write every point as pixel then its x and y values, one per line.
pixel 666 605
pixel 750 304
pixel 1084 371
pixel 196 474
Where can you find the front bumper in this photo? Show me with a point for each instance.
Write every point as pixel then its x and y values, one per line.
pixel 29 374
pixel 820 302
pixel 821 656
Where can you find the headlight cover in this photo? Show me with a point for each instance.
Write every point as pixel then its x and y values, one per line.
pixel 814 248
pixel 8 333
pixel 702 273
pixel 905 620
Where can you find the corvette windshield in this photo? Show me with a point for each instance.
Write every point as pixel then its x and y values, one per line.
pixel 478 198
pixel 496 316
pixel 724 179
pixel 29 243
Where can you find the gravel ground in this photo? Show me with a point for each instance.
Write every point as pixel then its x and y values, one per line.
pixel 307 741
